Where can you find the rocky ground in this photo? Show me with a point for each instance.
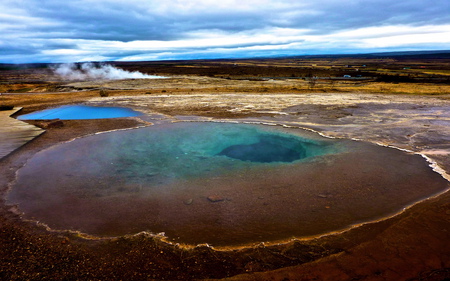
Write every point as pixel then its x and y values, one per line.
pixel 412 245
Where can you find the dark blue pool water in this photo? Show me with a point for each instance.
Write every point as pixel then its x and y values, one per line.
pixel 269 148
pixel 77 112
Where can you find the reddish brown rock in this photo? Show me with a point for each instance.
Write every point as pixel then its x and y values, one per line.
pixel 215 198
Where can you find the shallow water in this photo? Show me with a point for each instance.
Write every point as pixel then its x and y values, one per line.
pixel 184 179
pixel 78 112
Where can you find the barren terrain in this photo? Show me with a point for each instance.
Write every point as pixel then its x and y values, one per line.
pixel 402 103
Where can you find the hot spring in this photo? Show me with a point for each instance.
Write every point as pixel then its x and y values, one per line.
pixel 219 183
pixel 80 112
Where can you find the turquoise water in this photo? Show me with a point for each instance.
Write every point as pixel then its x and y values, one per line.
pixel 186 150
pixel 159 155
pixel 218 183
pixel 78 112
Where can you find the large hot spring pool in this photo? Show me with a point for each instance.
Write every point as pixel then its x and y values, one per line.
pixel 219 183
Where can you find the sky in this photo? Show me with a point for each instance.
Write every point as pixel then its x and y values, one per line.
pixel 142 30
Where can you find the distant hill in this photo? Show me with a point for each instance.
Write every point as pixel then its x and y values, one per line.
pixel 438 54
pixel 415 54
pixel 11 66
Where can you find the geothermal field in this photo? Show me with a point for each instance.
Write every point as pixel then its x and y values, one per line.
pixel 314 168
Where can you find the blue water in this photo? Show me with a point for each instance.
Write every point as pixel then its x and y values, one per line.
pixel 185 150
pixel 78 112
pixel 270 183
pixel 269 148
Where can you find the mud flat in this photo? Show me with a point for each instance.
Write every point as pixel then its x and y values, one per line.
pixel 411 245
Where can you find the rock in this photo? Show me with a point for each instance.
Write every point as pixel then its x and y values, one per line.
pixel 51 124
pixel 188 201
pixel 6 107
pixel 215 198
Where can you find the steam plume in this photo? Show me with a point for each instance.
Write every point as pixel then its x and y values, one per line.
pixel 91 71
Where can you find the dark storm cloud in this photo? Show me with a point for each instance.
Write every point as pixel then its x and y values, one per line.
pixel 337 15
pixel 123 21
pixel 145 29
pixel 8 50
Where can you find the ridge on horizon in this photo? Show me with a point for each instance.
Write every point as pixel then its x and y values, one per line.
pixel 436 54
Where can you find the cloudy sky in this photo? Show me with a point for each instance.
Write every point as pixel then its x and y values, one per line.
pixel 105 30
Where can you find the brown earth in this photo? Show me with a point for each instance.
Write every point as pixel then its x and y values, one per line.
pixel 412 245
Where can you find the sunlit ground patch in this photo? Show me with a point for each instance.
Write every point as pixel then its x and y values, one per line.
pixel 79 112
pixel 218 183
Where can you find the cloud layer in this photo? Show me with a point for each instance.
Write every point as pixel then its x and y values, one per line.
pixel 103 30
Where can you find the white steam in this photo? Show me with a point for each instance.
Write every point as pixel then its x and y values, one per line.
pixel 91 71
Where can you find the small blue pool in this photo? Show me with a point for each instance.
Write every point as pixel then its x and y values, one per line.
pixel 77 112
